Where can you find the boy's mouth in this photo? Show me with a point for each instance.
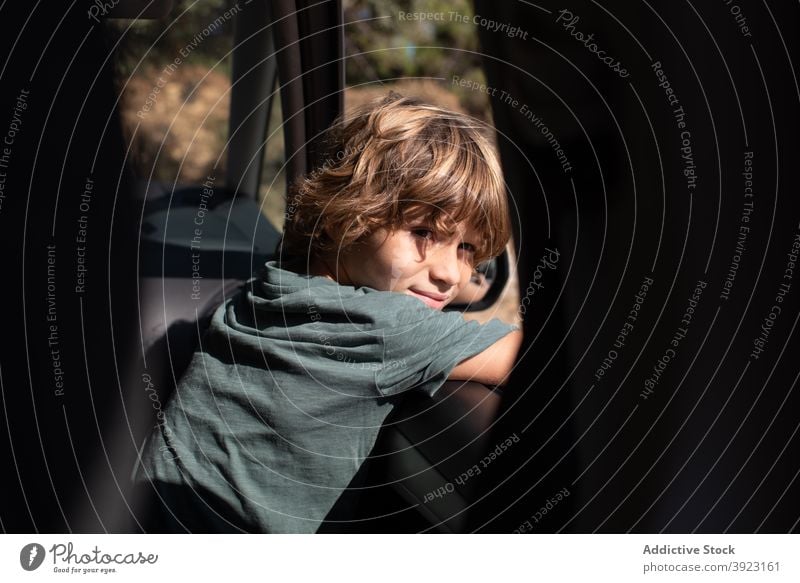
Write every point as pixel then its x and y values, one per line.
pixel 434 300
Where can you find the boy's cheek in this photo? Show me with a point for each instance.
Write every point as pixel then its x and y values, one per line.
pixel 466 279
pixel 398 268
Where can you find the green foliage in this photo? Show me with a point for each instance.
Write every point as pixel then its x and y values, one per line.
pixel 382 45
pixel 157 43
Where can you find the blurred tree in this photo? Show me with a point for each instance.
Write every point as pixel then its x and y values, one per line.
pixel 185 130
pixel 157 42
pixel 380 46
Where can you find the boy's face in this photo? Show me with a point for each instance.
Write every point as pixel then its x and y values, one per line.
pixel 414 260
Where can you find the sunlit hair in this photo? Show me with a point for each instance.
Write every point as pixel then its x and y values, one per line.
pixel 393 161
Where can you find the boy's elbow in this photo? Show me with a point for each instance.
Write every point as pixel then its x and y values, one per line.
pixel 493 376
pixel 504 370
pixel 503 380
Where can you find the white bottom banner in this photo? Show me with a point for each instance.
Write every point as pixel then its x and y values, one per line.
pixel 400 558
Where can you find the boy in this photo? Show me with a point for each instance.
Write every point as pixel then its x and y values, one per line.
pixel 284 398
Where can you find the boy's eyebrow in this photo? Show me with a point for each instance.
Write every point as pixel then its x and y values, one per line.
pixel 416 212
pixel 416 219
pixel 422 216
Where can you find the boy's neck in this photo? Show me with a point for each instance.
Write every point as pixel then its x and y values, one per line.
pixel 320 267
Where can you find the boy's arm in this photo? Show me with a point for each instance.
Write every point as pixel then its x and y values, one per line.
pixel 493 365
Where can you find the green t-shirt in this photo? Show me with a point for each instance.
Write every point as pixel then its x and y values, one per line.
pixel 284 399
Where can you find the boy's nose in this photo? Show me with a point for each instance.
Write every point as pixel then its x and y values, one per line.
pixel 445 267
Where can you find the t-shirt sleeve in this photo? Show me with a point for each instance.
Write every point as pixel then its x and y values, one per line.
pixel 422 354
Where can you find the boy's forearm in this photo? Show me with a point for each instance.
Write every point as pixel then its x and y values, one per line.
pixel 492 366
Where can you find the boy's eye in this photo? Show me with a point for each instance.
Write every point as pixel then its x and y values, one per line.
pixel 468 247
pixel 426 234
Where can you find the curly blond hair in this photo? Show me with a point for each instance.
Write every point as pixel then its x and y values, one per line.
pixel 392 160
